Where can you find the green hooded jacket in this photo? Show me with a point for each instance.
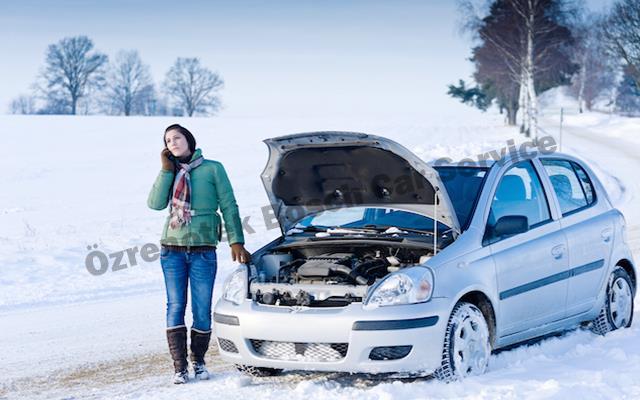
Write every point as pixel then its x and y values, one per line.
pixel 210 190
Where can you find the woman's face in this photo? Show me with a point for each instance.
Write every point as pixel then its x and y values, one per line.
pixel 176 143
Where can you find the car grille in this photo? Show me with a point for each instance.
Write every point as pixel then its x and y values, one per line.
pixel 290 351
pixel 227 345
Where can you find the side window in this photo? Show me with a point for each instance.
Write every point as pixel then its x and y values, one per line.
pixel 520 193
pixel 573 192
pixel 587 186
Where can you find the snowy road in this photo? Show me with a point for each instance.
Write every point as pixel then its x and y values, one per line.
pixel 78 350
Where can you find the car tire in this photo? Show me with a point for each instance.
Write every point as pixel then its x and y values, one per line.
pixel 258 372
pixel 617 311
pixel 467 345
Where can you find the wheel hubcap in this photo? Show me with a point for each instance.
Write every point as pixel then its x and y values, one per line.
pixel 620 302
pixel 471 346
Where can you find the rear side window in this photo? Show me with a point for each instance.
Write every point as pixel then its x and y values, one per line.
pixel 587 185
pixel 571 184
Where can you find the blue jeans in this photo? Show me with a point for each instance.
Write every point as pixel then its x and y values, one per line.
pixel 180 269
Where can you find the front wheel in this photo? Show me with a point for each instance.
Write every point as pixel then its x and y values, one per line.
pixel 617 311
pixel 467 345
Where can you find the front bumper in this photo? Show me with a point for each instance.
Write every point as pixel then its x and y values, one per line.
pixel 359 331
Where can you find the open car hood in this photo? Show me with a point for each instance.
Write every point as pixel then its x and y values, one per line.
pixel 311 172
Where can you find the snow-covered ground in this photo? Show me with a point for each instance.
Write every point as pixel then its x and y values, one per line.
pixel 74 182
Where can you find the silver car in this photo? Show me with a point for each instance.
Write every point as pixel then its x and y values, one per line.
pixel 389 264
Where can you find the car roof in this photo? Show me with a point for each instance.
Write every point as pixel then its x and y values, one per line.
pixel 477 163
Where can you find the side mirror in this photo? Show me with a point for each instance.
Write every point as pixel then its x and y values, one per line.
pixel 511 225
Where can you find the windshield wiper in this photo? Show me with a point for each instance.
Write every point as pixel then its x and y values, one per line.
pixel 347 230
pixel 385 228
pixel 332 230
pixel 310 228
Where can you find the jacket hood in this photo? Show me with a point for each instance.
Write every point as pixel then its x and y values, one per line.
pixel 196 154
pixel 311 172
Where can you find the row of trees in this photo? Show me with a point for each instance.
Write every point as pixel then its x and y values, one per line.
pixel 79 79
pixel 526 47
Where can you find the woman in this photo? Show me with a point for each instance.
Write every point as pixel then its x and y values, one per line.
pixel 193 188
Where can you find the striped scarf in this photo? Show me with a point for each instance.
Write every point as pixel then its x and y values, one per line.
pixel 181 199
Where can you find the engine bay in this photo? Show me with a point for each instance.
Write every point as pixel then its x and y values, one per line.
pixel 327 276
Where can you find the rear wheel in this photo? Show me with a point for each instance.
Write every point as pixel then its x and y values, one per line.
pixel 258 372
pixel 617 311
pixel 467 347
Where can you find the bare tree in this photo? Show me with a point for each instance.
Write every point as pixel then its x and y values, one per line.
pixel 23 104
pixel 537 32
pixel 193 87
pixel 598 68
pixel 129 84
pixel 523 52
pixel 494 74
pixel 623 35
pixel 72 68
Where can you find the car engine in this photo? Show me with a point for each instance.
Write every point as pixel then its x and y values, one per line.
pixel 324 277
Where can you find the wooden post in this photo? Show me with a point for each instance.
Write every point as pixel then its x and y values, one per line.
pixel 561 120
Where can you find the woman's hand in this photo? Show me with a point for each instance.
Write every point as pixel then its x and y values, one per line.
pixel 240 254
pixel 167 164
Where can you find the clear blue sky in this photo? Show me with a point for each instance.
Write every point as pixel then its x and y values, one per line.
pixel 289 58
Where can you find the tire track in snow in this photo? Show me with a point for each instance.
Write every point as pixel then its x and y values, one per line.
pixel 107 376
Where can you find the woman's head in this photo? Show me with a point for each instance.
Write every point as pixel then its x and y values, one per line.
pixel 179 140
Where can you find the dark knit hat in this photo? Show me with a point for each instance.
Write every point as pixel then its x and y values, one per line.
pixel 191 141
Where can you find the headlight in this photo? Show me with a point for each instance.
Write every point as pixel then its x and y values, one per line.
pixel 409 286
pixel 235 288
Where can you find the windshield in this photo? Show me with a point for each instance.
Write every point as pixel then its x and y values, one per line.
pixel 463 185
pixel 363 217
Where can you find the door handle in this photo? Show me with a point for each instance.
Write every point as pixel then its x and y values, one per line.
pixel 606 235
pixel 558 251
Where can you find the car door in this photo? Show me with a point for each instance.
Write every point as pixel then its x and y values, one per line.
pixel 531 267
pixel 589 232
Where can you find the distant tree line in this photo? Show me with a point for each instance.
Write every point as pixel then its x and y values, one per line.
pixel 78 79
pixel 525 47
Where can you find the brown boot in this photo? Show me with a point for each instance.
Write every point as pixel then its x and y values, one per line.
pixel 199 346
pixel 177 339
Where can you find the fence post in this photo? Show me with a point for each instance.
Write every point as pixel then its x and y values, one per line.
pixel 561 120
